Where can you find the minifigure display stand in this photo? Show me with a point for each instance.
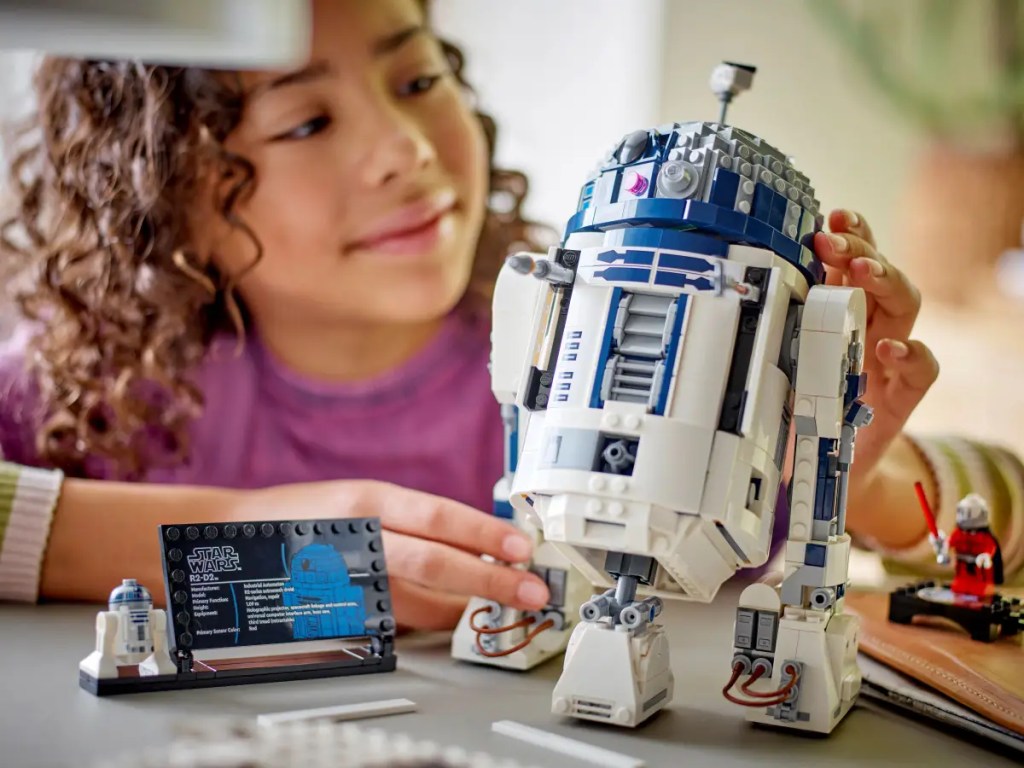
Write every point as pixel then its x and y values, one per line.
pixel 970 600
pixel 986 619
pixel 324 610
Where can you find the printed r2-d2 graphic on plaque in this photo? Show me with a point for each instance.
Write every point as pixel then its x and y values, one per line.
pixel 319 577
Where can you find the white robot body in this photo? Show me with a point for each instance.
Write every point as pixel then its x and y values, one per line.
pixel 659 365
pixel 698 499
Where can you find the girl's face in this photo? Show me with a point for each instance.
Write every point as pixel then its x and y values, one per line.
pixel 371 176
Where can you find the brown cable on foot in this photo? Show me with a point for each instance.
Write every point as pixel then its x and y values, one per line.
pixel 524 622
pixel 544 625
pixel 769 698
pixel 783 691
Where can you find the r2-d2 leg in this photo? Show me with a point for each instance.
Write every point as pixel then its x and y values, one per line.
pixel 490 633
pixel 795 662
pixel 617 664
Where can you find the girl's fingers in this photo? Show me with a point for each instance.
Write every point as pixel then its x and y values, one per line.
pixel 416 607
pixel 911 369
pixel 897 301
pixel 893 302
pixel 426 516
pixel 837 250
pixel 843 220
pixel 837 260
pixel 447 569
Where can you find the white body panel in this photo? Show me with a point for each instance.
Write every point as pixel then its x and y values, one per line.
pixel 688 501
pixel 699 496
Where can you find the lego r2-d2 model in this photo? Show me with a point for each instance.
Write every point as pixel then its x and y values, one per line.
pixel 130 633
pixel 658 363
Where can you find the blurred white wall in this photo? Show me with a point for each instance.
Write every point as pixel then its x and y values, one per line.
pixel 16 69
pixel 806 100
pixel 564 80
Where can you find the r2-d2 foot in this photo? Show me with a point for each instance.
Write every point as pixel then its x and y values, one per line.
pixel 490 633
pixel 494 634
pixel 617 663
pixel 799 665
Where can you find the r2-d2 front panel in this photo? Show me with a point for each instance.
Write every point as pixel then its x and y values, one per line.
pixel 659 396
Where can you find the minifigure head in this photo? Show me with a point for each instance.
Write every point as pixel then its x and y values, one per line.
pixel 130 596
pixel 972 513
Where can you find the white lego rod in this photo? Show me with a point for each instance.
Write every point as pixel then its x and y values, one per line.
pixel 341 712
pixel 579 750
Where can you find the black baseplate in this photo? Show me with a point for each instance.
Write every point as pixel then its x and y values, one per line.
pixel 986 619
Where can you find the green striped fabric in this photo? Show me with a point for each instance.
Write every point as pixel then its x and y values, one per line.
pixel 8 489
pixel 961 466
pixel 28 497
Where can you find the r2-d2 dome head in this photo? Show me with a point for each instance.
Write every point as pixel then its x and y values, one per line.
pixel 130 596
pixel 696 186
pixel 972 513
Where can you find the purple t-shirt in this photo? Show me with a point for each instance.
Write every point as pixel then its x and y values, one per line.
pixel 431 425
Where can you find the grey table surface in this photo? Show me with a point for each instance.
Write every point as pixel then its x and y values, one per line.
pixel 46 720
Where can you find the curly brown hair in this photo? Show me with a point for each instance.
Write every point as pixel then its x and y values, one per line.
pixel 101 175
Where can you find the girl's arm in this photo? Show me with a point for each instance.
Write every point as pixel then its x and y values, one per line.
pixel 884 513
pixel 103 532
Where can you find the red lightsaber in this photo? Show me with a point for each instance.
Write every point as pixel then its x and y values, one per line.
pixel 929 517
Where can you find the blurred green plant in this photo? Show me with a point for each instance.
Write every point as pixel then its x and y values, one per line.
pixel 956 67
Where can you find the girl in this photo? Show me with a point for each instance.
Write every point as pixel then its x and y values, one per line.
pixel 264 295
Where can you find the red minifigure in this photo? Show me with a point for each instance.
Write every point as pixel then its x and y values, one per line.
pixel 971 600
pixel 979 561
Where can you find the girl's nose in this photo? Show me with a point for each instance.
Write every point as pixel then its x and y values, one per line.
pixel 397 146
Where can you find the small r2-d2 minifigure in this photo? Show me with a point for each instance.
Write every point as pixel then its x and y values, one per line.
pixel 130 633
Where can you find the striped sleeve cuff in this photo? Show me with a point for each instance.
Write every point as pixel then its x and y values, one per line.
pixel 960 467
pixel 920 557
pixel 1011 530
pixel 28 498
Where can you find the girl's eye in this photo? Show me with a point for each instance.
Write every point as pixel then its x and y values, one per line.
pixel 418 86
pixel 304 131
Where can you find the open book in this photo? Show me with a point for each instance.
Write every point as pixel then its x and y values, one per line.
pixel 936 670
pixel 884 684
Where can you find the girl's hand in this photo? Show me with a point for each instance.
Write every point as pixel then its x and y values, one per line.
pixel 900 369
pixel 432 546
